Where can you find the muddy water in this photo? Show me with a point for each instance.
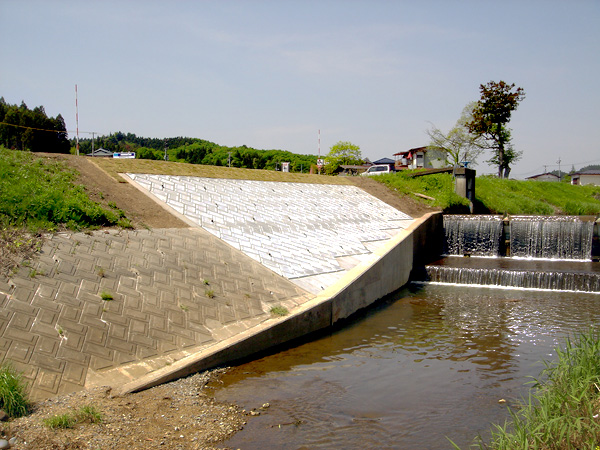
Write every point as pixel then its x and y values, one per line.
pixel 427 364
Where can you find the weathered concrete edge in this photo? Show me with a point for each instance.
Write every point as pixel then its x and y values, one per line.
pixel 388 270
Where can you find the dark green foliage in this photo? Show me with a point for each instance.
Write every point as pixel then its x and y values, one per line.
pixel 148 153
pixel 41 195
pixel 490 117
pixel 25 129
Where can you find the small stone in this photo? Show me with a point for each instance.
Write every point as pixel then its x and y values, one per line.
pixel 4 444
pixel 12 441
pixel 266 405
pixel 3 416
pixel 501 401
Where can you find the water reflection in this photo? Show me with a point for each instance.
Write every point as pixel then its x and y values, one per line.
pixel 429 362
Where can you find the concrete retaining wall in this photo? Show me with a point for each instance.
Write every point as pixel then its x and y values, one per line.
pixel 388 270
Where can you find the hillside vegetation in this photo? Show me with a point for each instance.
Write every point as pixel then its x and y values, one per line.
pixel 199 151
pixel 499 196
pixel 39 194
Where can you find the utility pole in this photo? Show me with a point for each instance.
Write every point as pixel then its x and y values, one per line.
pixel 559 174
pixel 166 146
pixel 229 159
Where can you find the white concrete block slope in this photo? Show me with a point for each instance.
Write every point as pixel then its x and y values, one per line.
pixel 308 233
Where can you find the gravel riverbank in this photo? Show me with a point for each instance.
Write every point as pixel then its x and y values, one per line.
pixel 176 415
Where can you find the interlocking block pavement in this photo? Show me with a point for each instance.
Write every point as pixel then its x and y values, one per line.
pixel 168 292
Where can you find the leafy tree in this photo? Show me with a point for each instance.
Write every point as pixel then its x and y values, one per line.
pixel 459 144
pixel 490 116
pixel 342 153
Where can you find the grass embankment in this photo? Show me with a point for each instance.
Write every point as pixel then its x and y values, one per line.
pixel 115 166
pixel 39 195
pixel 562 411
pixel 497 196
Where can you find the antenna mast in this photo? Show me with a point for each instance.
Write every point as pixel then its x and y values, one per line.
pixel 77 120
pixel 319 160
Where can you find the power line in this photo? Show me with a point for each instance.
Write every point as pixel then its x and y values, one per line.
pixel 45 129
pixel 32 128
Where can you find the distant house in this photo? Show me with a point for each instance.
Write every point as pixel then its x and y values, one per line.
pixel 420 158
pixel 586 177
pixel 544 177
pixel 347 169
pixel 101 152
pixel 385 162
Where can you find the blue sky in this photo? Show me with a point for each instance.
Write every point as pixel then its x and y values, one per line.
pixel 270 74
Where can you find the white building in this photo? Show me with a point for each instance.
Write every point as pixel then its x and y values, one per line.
pixel 586 177
pixel 544 177
pixel 420 158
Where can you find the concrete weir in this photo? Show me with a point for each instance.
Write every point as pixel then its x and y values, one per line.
pixel 187 299
pixel 387 270
pixel 389 243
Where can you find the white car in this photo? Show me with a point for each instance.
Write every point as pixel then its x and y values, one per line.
pixel 377 170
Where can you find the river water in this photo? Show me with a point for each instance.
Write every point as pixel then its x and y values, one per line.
pixel 427 364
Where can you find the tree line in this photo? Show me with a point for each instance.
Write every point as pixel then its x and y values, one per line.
pixel 198 151
pixel 22 128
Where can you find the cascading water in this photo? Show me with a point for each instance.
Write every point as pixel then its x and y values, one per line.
pixel 544 276
pixel 473 235
pixel 555 237
pixel 526 252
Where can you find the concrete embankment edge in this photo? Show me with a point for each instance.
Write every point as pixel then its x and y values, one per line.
pixel 387 270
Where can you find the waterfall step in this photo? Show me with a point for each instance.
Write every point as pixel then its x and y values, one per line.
pixel 578 276
pixel 552 237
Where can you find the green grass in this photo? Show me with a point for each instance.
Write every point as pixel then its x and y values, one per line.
pixel 88 413
pixel 563 410
pixel 13 391
pixel 60 421
pixel 106 296
pixel 497 196
pixel 536 197
pixel 439 186
pixel 85 414
pixel 279 311
pixel 41 195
